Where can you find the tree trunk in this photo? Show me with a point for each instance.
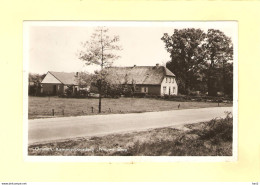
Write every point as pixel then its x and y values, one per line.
pixel 101 81
pixel 211 87
pixel 211 80
pixel 224 78
pixel 99 103
pixel 187 87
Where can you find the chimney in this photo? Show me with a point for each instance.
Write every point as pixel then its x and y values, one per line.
pixel 77 74
pixel 134 65
pixel 157 65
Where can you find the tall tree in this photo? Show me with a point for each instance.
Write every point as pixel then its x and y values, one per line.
pixel 99 50
pixel 219 49
pixel 200 60
pixel 186 48
pixel 228 79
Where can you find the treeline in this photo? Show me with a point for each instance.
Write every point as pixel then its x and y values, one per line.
pixel 202 61
pixel 34 84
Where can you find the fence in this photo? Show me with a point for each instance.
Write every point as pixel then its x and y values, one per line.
pixel 63 112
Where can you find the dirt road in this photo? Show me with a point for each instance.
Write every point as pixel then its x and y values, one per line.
pixel 41 130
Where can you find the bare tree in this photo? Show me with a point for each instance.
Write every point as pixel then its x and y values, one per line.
pixel 99 50
pixel 83 79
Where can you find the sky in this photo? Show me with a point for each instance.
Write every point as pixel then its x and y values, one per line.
pixel 53 45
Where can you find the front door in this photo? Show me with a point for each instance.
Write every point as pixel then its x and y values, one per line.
pixel 169 90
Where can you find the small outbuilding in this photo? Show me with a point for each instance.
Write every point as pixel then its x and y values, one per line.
pixel 55 83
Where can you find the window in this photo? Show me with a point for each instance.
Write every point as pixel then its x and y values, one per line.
pixel 173 89
pixel 144 89
pixel 164 90
pixel 172 80
pixel 166 79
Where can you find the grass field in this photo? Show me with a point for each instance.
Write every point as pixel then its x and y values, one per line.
pixel 41 107
pixel 213 138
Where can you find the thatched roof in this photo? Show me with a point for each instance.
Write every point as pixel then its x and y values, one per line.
pixel 148 75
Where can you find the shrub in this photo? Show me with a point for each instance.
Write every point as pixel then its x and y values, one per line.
pixel 83 93
pixel 80 94
pixel 69 90
pixel 198 98
pixel 127 92
pixel 218 129
pixel 139 94
pixel 152 96
pixel 166 96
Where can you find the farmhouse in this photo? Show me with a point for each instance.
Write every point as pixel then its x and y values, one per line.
pixel 56 83
pixel 153 80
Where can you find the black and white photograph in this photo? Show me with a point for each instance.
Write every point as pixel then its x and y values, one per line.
pixel 130 89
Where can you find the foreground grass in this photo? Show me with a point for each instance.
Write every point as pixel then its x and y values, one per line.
pixel 41 107
pixel 213 138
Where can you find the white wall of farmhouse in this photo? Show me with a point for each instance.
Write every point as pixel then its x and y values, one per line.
pixel 169 86
pixel 50 79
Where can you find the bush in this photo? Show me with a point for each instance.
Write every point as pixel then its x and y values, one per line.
pixel 139 94
pixel 217 130
pixel 69 91
pixel 127 92
pixel 166 96
pixel 80 94
pixel 197 98
pixel 42 94
pixel 180 98
pixel 83 93
pixel 152 96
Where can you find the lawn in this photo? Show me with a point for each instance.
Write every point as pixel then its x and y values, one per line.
pixel 213 138
pixel 42 107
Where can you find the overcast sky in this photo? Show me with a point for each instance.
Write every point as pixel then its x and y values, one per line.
pixel 53 46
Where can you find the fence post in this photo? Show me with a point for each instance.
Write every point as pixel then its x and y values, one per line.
pixel 52 112
pixel 63 112
pixel 92 108
pixel 179 106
